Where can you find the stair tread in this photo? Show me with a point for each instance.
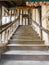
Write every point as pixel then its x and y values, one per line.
pixel 25 35
pixel 25 38
pixel 26 45
pixel 36 40
pixel 26 52
pixel 24 62
pixel 20 38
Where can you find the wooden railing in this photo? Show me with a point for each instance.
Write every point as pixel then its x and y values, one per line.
pixel 43 33
pixel 2 26
pixel 42 28
pixel 6 31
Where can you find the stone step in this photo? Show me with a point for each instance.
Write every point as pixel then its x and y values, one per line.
pixel 25 37
pixel 37 45
pixel 20 62
pixel 22 31
pixel 26 41
pixel 26 34
pixel 22 35
pixel 27 47
pixel 27 30
pixel 26 55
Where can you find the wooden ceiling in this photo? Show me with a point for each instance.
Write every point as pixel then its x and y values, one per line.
pixel 12 3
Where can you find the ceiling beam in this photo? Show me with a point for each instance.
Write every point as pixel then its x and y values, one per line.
pixel 4 4
pixel 11 2
pixel 14 3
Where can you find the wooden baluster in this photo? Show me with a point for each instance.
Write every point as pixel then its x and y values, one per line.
pixel 0 38
pixel 40 23
pixel 13 27
pixel 10 30
pixel 3 39
pixel 5 36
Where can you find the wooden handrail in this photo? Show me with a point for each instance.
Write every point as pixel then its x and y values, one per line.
pixel 8 26
pixel 2 26
pixel 42 28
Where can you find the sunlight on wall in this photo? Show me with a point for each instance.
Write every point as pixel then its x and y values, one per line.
pixel 38 20
pixel 45 35
pixel 20 19
pixel 13 18
pixel 43 15
pixel 5 20
pixel 26 21
pixel 5 16
pixel 36 17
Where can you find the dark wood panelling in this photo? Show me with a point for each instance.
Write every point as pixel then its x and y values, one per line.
pixel 12 3
pixel 0 15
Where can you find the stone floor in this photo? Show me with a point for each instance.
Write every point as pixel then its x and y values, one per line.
pixel 14 62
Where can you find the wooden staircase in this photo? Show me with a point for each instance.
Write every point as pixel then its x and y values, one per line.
pixel 25 44
pixel 25 35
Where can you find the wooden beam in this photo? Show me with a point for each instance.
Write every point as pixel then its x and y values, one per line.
pixel 24 7
pixel 14 3
pixel 4 4
pixel 11 2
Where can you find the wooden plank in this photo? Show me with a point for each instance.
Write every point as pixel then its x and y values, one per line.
pixel 24 7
